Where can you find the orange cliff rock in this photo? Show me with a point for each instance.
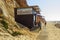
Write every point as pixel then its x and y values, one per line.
pixel 22 3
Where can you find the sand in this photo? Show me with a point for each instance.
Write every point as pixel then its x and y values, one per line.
pixel 50 32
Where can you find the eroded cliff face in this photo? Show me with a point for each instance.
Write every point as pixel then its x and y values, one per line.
pixel 8 15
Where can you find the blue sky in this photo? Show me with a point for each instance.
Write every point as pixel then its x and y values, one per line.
pixel 49 8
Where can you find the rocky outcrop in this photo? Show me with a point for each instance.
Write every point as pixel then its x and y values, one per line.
pixel 22 3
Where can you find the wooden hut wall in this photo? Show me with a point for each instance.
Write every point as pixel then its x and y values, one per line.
pixel 26 20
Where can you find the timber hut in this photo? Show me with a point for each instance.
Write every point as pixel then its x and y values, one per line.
pixel 26 16
pixel 29 16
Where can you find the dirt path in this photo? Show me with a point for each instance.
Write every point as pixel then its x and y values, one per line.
pixel 43 35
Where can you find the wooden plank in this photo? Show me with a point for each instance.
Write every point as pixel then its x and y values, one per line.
pixel 23 11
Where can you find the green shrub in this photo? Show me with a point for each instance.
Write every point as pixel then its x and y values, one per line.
pixel 16 33
pixel 5 25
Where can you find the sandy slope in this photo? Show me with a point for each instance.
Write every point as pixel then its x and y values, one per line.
pixel 49 33
pixel 53 32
